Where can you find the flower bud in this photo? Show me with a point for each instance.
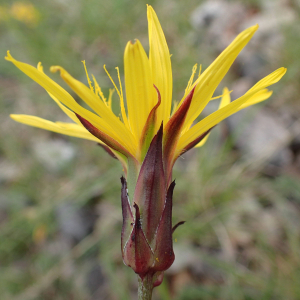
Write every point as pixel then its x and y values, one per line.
pixel 147 245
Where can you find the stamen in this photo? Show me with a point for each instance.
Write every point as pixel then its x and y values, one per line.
pixel 191 79
pixel 87 76
pixel 117 68
pixel 123 112
pixel 98 90
pixel 124 117
pixel 112 81
pixel 200 69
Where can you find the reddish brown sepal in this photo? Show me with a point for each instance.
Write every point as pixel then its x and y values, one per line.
pixel 109 141
pixel 150 125
pixel 127 215
pixel 163 254
pixel 150 188
pixel 172 133
pixel 107 150
pixel 196 141
pixel 137 252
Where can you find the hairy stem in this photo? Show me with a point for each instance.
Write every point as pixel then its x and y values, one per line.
pixel 145 287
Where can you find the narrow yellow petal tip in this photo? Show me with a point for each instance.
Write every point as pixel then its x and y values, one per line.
pixel 251 30
pixel 8 57
pixel 40 67
pixel 150 11
pixel 15 117
pixel 63 73
pixel 55 69
pixel 280 72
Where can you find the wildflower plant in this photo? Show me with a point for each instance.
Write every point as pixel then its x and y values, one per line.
pixel 147 138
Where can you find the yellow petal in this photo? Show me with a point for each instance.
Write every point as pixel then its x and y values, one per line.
pixel 64 97
pixel 59 127
pixel 228 110
pixel 69 129
pixel 258 97
pixel 224 101
pixel 200 144
pixel 98 106
pixel 160 64
pixel 67 111
pixel 139 86
pixel 211 77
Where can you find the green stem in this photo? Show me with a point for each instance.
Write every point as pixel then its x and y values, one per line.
pixel 145 287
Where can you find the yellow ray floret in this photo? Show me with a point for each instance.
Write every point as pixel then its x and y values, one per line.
pixel 108 123
pixel 160 64
pixel 212 76
pixel 228 110
pixel 143 75
pixel 120 93
pixel 224 101
pixel 139 86
pixel 58 127
pixel 67 111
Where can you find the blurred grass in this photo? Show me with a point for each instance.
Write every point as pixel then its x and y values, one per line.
pixel 214 184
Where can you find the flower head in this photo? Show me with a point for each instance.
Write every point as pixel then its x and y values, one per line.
pixel 147 138
pixel 148 85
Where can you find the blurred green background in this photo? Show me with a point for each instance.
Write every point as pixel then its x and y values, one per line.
pixel 60 213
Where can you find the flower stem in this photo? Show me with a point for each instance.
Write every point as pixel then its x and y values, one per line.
pixel 145 287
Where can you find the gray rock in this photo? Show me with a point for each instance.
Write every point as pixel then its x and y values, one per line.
pixel 262 136
pixel 189 258
pixel 224 20
pixel 75 223
pixel 96 282
pixel 220 19
pixel 54 154
pixel 185 257
pixel 8 171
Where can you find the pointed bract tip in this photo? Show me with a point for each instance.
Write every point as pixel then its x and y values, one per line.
pixel 161 129
pixel 177 225
pixel 172 185
pixel 158 94
pixel 123 180
pixel 137 210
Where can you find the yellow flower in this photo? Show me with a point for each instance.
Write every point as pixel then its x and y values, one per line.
pixel 148 85
pixel 25 12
